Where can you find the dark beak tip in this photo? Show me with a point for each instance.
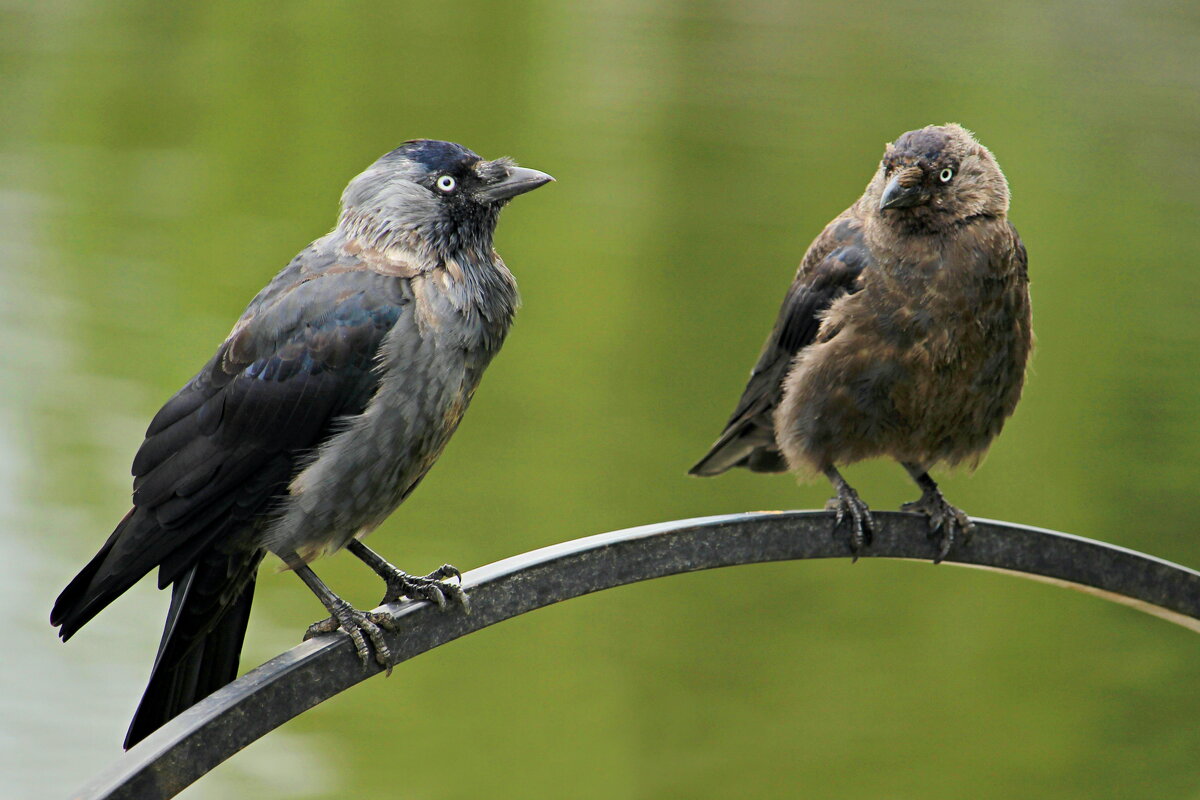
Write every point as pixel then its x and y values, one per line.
pixel 897 196
pixel 539 178
pixel 519 181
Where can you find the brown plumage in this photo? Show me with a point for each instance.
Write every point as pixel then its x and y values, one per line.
pixel 905 334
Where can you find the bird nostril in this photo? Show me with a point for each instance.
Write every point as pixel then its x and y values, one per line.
pixel 909 177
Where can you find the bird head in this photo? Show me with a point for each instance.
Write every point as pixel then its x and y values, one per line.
pixel 938 173
pixel 438 199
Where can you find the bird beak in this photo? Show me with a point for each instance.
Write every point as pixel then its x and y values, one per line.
pixel 904 190
pixel 519 180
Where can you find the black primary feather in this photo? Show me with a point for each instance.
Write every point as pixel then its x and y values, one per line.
pixel 830 270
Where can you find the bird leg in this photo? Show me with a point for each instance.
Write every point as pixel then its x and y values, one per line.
pixel 349 619
pixel 848 504
pixel 432 587
pixel 946 522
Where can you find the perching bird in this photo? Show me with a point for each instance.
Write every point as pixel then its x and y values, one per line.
pixel 324 408
pixel 905 334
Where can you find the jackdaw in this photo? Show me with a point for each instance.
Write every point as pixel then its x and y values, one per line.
pixel 905 334
pixel 321 411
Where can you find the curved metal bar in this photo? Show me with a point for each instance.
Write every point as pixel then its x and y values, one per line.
pixel 217 727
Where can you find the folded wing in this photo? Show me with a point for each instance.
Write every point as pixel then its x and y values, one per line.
pixel 830 269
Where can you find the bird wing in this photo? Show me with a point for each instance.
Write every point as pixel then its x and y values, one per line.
pixel 830 269
pixel 227 444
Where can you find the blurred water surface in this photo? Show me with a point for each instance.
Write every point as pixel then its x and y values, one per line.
pixel 158 163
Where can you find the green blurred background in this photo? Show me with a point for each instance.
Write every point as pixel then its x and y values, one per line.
pixel 158 163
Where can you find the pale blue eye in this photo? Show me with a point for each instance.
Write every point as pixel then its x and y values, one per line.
pixel 446 183
pixel 946 175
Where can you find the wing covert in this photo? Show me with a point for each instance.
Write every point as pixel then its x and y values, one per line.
pixel 830 269
pixel 228 443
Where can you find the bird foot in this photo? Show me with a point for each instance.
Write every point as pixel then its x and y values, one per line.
pixel 947 524
pixel 432 587
pixel 357 623
pixel 848 505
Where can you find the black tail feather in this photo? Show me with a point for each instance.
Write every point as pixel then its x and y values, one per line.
pixel 724 455
pixel 202 640
pixel 96 585
pixel 741 445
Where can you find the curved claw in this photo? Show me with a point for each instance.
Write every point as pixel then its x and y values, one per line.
pixel 456 593
pixel 947 524
pixel 432 587
pixel 446 571
pixel 355 623
pixel 848 504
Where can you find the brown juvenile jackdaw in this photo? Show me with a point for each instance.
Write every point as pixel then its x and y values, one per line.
pixel 905 334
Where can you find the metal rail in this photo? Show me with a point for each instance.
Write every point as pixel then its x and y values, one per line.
pixel 214 729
